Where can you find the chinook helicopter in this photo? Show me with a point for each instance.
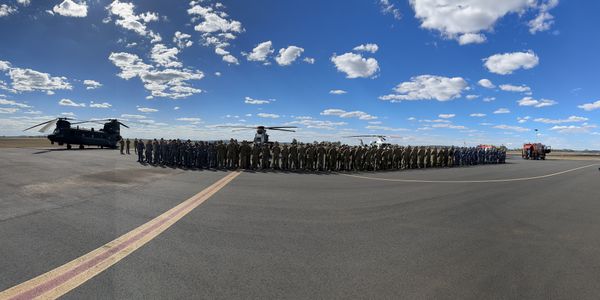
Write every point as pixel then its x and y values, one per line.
pixel 63 133
pixel 261 136
pixel 380 140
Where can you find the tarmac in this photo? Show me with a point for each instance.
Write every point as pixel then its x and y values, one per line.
pixel 522 230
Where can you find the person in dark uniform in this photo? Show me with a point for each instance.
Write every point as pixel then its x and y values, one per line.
pixel 127 146
pixel 140 151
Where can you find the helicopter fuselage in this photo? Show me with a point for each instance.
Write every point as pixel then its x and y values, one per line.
pixel 84 137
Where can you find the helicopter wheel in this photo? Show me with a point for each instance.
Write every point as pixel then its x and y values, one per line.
pixel 80 146
pixel 68 146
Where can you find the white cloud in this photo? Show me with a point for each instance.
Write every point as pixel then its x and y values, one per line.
pixel 215 26
pixel 448 125
pixel 218 74
pixel 337 92
pixel 189 119
pixel 266 115
pixel 573 129
pixel 166 57
pixel 13 103
pixel 249 100
pixel 169 83
pixel 24 2
pixel 100 105
pixel 309 60
pixel 489 99
pixel 472 97
pixel 515 88
pixel 348 114
pixel 4 65
pixel 69 102
pixel 182 40
pixel 387 7
pixel 571 119
pixel 261 52
pixel 317 124
pixel 446 116
pixel 6 10
pixel 522 120
pixel 471 38
pixel 33 112
pixel 428 87
pixel 513 128
pixel 466 19
pixel 27 80
pixel 478 115
pixel 147 109
pixel 355 66
pixel 228 58
pixel 68 114
pixel 128 116
pixel 507 63
pixel 367 48
pixel 288 55
pixel 126 18
pixel 176 108
pixel 502 111
pixel 544 19
pixel 590 106
pixel 69 8
pixel 528 101
pixel 8 110
pixel 384 128
pixel 91 84
pixel 486 83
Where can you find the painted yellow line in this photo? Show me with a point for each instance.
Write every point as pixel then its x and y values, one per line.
pixel 61 280
pixel 470 181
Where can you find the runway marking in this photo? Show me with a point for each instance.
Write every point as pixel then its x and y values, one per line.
pixel 470 181
pixel 63 279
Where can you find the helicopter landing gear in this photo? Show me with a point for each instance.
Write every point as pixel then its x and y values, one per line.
pixel 80 147
pixel 51 142
pixel 68 146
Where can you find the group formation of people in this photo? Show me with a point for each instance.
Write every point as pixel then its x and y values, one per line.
pixel 309 156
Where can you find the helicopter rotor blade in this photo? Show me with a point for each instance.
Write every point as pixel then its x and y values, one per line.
pixel 277 127
pixel 34 126
pixel 288 130
pixel 48 126
pixel 233 126
pixel 242 129
pixel 123 125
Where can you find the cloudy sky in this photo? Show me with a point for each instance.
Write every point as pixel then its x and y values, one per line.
pixel 425 71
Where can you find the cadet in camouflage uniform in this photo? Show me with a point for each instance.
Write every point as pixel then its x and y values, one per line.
pixel 301 156
pixel 285 155
pixel 310 157
pixel 276 156
pixel 428 157
pixel 321 152
pixel 255 155
pixel 265 157
pixel 421 155
pixel 149 152
pixel 293 158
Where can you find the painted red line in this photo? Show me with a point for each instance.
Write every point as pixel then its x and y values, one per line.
pixel 64 277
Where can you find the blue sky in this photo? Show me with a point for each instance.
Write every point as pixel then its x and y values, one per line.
pixel 426 72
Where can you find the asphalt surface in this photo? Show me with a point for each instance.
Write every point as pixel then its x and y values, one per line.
pixel 281 235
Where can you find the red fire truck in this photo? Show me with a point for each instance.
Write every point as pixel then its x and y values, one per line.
pixel 535 151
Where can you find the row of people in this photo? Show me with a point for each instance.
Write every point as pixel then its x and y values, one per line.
pixel 312 157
